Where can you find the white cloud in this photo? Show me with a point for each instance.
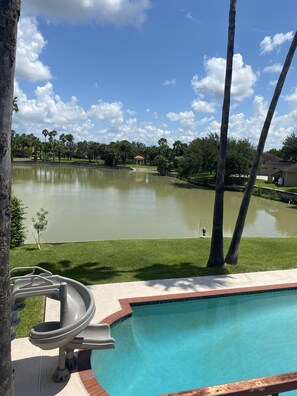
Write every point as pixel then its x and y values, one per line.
pixel 47 108
pixel 189 15
pixel 170 82
pixel 260 107
pixel 273 83
pixel 292 99
pixel 203 106
pixel 243 78
pixel 105 122
pixel 185 118
pixel 30 44
pixel 111 112
pixel 131 112
pixel 276 68
pixel 118 12
pixel 291 116
pixel 268 44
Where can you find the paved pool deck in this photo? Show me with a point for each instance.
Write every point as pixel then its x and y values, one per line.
pixel 34 367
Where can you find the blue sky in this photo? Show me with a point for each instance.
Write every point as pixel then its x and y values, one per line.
pixel 108 70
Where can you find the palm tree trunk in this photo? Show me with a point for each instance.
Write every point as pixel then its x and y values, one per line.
pixel 232 255
pixel 9 15
pixel 216 258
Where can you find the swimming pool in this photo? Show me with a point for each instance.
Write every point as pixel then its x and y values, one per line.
pixel 175 346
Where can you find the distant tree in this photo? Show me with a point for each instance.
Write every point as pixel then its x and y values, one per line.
pixel 201 155
pixel 82 149
pixel 289 149
pixel 191 163
pixel 138 148
pixel 162 142
pixel 111 154
pixel 210 152
pixel 232 255
pixel 216 257
pixel 40 223
pixel 69 145
pixel 45 134
pixel 163 165
pixel 52 145
pixel 150 154
pixel 18 229
pixel 179 148
pixel 164 149
pixel 276 152
pixel 62 138
pixel 239 159
pixel 52 135
pixel 9 16
pixel 125 150
pixel 24 145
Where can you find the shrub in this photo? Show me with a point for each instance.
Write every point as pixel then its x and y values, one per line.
pixel 18 231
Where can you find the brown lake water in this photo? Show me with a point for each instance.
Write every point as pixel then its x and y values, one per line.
pixel 87 203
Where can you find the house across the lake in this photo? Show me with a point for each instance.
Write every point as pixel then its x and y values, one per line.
pixel 286 176
pixel 278 170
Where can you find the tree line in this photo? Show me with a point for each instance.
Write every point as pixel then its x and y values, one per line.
pixel 196 157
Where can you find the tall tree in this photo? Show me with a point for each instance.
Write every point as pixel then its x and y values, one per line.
pixel 9 16
pixel 216 257
pixel 232 255
pixel 45 134
pixel 289 149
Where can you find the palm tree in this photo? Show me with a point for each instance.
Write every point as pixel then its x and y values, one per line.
pixel 52 135
pixel 216 257
pixel 9 16
pixel 45 133
pixel 232 255
pixel 69 145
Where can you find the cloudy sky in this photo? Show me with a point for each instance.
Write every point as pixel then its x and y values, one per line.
pixel 108 70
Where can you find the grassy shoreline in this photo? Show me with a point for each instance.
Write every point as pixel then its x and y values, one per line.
pixel 146 259
pixel 112 261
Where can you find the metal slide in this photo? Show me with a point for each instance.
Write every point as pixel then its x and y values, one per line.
pixel 77 308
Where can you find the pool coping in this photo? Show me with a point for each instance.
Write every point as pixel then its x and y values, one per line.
pixel 259 386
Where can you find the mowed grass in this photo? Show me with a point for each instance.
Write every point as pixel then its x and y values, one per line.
pixel 148 259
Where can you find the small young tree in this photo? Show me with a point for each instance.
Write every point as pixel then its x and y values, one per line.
pixel 40 223
pixel 18 230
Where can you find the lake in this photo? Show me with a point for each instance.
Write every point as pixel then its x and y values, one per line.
pixel 88 203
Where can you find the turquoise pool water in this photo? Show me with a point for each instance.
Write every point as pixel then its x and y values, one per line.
pixel 178 346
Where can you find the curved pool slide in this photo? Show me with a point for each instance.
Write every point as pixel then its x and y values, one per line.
pixel 77 308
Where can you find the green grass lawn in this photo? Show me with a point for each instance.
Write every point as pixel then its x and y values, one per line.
pixel 263 183
pixel 148 259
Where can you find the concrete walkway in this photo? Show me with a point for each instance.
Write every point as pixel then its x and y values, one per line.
pixel 34 367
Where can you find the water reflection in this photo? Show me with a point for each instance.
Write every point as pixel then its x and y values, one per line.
pixel 93 204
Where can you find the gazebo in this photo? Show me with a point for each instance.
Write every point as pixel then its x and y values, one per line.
pixel 139 160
